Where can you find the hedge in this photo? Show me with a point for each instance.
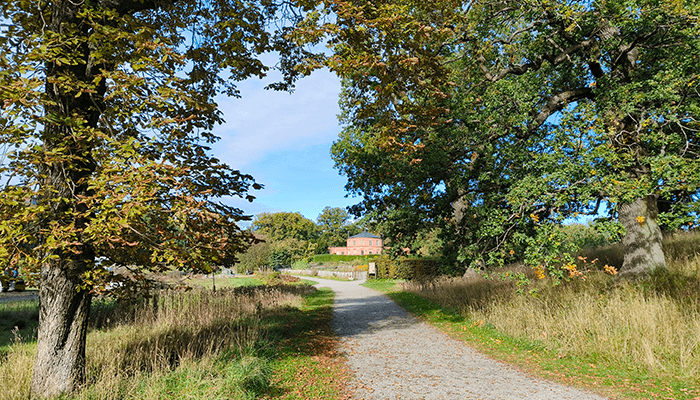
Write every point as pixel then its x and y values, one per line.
pixel 407 268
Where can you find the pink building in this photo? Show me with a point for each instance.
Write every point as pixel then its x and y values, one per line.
pixel 362 244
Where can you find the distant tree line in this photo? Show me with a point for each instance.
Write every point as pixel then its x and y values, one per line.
pixel 289 237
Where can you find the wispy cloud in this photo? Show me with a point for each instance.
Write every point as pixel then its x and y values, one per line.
pixel 264 121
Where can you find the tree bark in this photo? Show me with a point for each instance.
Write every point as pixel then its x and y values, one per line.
pixel 642 241
pixel 63 318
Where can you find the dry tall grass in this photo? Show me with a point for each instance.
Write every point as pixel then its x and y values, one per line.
pixel 653 323
pixel 147 350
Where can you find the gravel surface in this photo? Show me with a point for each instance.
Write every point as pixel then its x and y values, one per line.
pixel 395 356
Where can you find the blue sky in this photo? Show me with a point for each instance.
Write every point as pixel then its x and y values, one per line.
pixel 283 140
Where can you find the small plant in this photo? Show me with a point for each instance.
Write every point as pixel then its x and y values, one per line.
pixel 272 279
pixel 289 279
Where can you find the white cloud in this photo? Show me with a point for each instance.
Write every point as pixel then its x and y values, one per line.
pixel 265 121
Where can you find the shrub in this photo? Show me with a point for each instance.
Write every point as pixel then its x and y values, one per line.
pixel 336 258
pixel 362 268
pixel 289 279
pixel 386 268
pixel 272 279
pixel 419 268
pixel 300 264
pixel 407 268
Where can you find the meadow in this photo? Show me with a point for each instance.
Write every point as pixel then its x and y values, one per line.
pixel 628 339
pixel 243 342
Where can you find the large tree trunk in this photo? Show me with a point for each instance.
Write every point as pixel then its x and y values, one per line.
pixel 642 242
pixel 64 300
pixel 63 318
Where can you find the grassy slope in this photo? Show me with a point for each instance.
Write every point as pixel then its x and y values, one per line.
pixel 614 378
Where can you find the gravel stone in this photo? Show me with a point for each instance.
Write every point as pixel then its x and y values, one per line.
pixel 395 356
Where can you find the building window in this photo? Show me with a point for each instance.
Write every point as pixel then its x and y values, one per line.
pixel 370 252
pixel 354 243
pixel 362 252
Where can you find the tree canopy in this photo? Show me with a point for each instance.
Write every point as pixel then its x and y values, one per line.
pixel 108 107
pixel 335 227
pixel 291 235
pixel 284 225
pixel 498 120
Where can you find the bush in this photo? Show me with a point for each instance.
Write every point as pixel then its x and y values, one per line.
pixel 272 279
pixel 585 236
pixel 407 268
pixel 386 268
pixel 419 268
pixel 300 264
pixel 289 279
pixel 336 258
pixel 277 278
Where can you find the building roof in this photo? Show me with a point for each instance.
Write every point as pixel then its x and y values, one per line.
pixel 365 234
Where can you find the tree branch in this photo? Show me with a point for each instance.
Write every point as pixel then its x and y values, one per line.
pixel 558 102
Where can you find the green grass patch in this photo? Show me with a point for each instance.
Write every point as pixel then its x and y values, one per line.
pixel 18 321
pixel 618 377
pixel 307 364
pixel 382 285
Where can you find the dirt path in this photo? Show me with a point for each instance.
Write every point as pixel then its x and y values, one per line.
pixel 395 356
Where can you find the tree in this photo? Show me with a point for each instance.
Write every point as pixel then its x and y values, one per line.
pixel 495 120
pixel 107 110
pixel 291 235
pixel 255 258
pixel 333 227
pixel 284 225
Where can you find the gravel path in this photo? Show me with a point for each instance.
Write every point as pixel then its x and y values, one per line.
pixel 395 356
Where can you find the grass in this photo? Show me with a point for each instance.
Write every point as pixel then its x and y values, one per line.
pixel 18 320
pixel 227 282
pixel 623 339
pixel 308 364
pixel 243 343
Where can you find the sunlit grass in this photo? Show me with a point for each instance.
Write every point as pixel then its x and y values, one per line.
pixel 201 345
pixel 224 282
